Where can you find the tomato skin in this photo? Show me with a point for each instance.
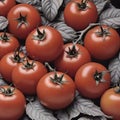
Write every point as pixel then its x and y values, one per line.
pixel 47 49
pixel 66 63
pixel 8 46
pixel 100 47
pixel 26 79
pixel 12 107
pixel 21 31
pixel 55 96
pixel 110 103
pixel 5 6
pixel 7 65
pixel 77 18
pixel 86 83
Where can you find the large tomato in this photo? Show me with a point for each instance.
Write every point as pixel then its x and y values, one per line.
pixel 5 6
pixel 56 90
pixel 8 62
pixel 78 14
pixel 110 102
pixel 23 18
pixel 102 42
pixel 26 75
pixel 44 44
pixel 8 43
pixel 92 79
pixel 12 103
pixel 72 58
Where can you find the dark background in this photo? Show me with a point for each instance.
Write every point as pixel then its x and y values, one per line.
pixel 116 3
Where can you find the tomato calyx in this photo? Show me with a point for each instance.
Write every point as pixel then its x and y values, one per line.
pixel 17 58
pixel 72 52
pixel 28 65
pixel 103 32
pixel 2 1
pixel 117 88
pixel 4 37
pixel 57 79
pixel 50 69
pixel 40 35
pixel 82 5
pixel 7 91
pixel 99 77
pixel 21 20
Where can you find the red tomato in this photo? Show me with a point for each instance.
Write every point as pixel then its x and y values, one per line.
pixel 92 79
pixel 26 76
pixel 56 90
pixel 110 103
pixel 72 58
pixel 102 42
pixel 23 18
pixel 12 103
pixel 8 62
pixel 44 44
pixel 5 6
pixel 78 14
pixel 8 43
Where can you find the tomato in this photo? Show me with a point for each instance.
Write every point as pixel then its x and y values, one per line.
pixel 72 58
pixel 102 42
pixel 78 14
pixel 110 103
pixel 8 43
pixel 23 18
pixel 92 79
pixel 8 62
pixel 5 6
pixel 12 103
pixel 44 44
pixel 26 76
pixel 56 90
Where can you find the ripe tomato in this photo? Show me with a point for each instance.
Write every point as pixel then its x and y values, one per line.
pixel 5 6
pixel 26 75
pixel 23 18
pixel 44 44
pixel 102 42
pixel 72 58
pixel 78 14
pixel 110 103
pixel 92 79
pixel 56 90
pixel 12 103
pixel 8 43
pixel 8 62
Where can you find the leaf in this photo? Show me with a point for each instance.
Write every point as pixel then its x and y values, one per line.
pixel 44 21
pixel 3 23
pixel 101 6
pixel 92 118
pixel 50 8
pixel 66 1
pixel 67 32
pixel 110 17
pixel 23 1
pixel 80 106
pixel 114 68
pixel 37 112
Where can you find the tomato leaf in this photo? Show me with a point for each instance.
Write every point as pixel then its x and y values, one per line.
pixel 50 8
pixel 114 68
pixel 67 32
pixel 110 17
pixel 37 112
pixel 80 106
pixel 3 23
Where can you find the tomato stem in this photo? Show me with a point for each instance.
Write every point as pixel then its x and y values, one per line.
pixel 49 67
pixel 40 35
pixel 4 37
pixel 82 5
pixel 57 79
pixel 72 52
pixel 7 91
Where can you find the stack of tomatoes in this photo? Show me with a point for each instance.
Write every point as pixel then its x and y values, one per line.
pixel 73 62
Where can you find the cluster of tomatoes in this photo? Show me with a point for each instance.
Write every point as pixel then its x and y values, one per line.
pixel 74 69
